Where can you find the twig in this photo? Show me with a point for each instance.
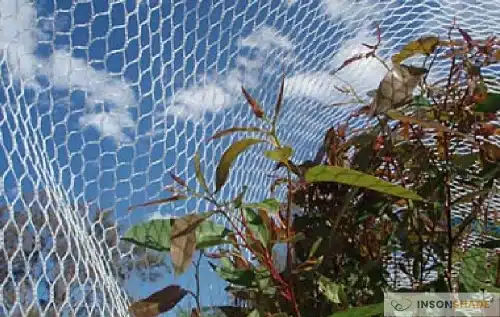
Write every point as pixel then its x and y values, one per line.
pixel 197 279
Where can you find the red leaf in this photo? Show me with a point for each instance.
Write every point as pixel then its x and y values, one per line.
pixel 178 180
pixel 466 36
pixel 257 110
pixel 159 201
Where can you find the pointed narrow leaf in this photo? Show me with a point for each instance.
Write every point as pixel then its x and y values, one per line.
pixel 159 201
pixel 234 130
pixel 199 173
pixel 280 155
pixel 228 159
pixel 425 45
pixel 257 110
pixel 184 244
pixel 158 302
pixel 355 178
pixel 279 101
pixel 155 234
pixel 493 244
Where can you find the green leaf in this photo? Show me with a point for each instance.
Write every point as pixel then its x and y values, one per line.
pixel 315 247
pixel 425 45
pixel 420 101
pixel 363 311
pixel 464 162
pixel 272 205
pixel 490 105
pixel 155 234
pixel 158 302
pixel 330 289
pixel 475 275
pixel 257 225
pixel 280 155
pixel 355 178
pixel 493 244
pixel 199 172
pixel 254 313
pixel 226 270
pixel 228 159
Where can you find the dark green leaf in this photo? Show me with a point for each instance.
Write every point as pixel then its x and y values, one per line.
pixel 257 225
pixel 490 105
pixel 354 178
pixel 159 302
pixel 493 244
pixel 234 130
pixel 155 234
pixel 475 275
pixel 280 155
pixel 363 311
pixel 463 162
pixel 159 201
pixel 226 270
pixel 228 159
pixel 199 173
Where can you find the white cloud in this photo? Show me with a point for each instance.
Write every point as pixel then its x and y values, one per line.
pixel 350 10
pixel 194 101
pixel 265 39
pixel 222 92
pixel 18 42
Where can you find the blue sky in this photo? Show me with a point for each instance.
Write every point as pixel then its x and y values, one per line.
pixel 101 100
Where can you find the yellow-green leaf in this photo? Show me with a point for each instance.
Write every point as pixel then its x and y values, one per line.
pixel 228 159
pixel 199 173
pixel 234 130
pixel 352 177
pixel 158 302
pixel 425 45
pixel 280 155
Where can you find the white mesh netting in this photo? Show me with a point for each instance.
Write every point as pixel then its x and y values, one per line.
pixel 101 99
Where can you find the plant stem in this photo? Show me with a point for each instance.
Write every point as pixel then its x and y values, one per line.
pixel 197 279
pixel 289 250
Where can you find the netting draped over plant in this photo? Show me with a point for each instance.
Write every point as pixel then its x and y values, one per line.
pixel 100 100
